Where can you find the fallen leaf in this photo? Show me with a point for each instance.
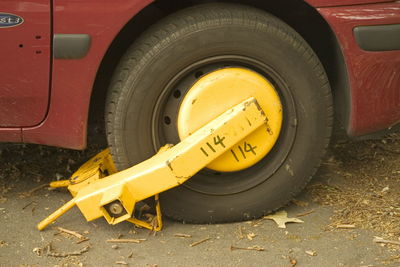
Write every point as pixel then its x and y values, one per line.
pixel 281 218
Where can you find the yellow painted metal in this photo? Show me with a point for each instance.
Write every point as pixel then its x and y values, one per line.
pixel 96 168
pixel 220 90
pixel 155 224
pixel 172 166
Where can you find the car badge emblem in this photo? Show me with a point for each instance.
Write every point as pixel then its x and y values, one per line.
pixel 10 20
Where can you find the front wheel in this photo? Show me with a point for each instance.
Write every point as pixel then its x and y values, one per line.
pixel 194 65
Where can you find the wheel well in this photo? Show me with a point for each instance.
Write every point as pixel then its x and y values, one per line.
pixel 298 14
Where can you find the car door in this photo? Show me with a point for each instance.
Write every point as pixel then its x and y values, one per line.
pixel 25 51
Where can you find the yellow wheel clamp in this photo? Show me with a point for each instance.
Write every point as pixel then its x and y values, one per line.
pixel 99 190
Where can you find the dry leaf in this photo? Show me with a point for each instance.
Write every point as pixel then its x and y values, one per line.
pixel 281 218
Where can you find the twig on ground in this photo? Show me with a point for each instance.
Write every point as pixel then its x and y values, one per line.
pixel 385 241
pixel 70 232
pixel 256 248
pixel 183 235
pixel 27 205
pixel 199 242
pixel 126 240
pixel 345 226
pixel 66 254
pixel 305 213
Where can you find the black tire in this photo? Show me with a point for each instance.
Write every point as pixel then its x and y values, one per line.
pixel 168 58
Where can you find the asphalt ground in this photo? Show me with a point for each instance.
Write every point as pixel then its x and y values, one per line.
pixel 365 170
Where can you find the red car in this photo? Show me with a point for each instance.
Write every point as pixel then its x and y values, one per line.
pixel 153 67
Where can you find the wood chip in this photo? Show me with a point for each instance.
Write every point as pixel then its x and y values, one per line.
pixel 311 252
pixel 121 263
pixel 38 251
pixel 126 240
pixel 70 232
pixel 256 248
pixel 241 233
pixel 250 236
pixel 292 261
pixel 199 242
pixel 385 241
pixel 345 226
pixel 305 213
pixel 183 235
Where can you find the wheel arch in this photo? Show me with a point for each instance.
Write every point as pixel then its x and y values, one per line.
pixel 304 18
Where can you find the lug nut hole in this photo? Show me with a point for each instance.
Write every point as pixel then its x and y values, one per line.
pixel 167 120
pixel 177 94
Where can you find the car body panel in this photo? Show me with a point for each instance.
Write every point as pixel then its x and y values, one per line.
pixel 332 3
pixel 25 60
pixel 72 80
pixel 374 76
pixel 374 88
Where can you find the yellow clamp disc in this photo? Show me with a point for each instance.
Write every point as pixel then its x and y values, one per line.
pixel 220 90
